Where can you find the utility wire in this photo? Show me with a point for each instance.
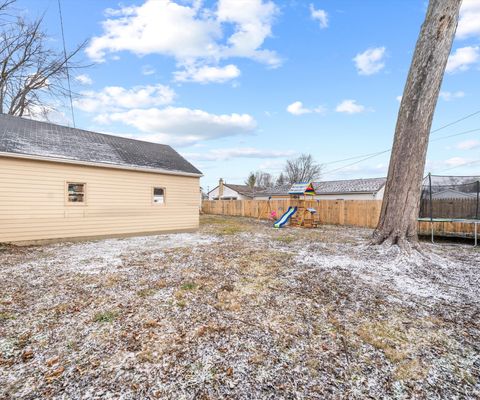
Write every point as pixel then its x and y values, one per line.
pixel 460 165
pixel 66 62
pixel 357 162
pixel 456 122
pixel 372 155
pixel 455 134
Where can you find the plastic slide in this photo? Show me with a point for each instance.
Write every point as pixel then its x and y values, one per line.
pixel 285 217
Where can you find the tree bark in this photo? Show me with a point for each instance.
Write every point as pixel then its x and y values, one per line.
pixel 401 201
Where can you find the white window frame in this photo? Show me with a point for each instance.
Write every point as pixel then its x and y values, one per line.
pixel 164 195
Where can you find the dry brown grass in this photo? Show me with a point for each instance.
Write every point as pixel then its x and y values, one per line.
pixel 251 312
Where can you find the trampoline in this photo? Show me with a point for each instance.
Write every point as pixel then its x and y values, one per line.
pixel 451 199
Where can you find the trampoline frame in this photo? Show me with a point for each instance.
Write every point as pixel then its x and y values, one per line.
pixel 476 222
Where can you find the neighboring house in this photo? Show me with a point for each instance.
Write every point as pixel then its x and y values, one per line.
pixel 63 183
pixel 450 194
pixel 275 193
pixel 351 189
pixel 227 191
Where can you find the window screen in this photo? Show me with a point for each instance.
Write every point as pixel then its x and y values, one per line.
pixel 159 195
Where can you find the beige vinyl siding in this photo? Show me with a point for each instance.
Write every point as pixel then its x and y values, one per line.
pixel 33 201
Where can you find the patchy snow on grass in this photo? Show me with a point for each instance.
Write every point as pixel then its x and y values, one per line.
pixel 103 256
pixel 239 310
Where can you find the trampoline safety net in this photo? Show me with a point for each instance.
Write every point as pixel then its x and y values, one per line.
pixel 450 197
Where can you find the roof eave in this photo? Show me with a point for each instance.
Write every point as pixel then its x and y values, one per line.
pixel 99 165
pixel 370 192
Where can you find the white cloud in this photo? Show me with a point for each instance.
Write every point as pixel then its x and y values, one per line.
pixel 463 58
pixel 208 74
pixel 297 108
pixel 468 144
pixel 49 113
pixel 242 152
pixel 350 107
pixel 273 166
pixel 456 161
pixel 148 70
pixel 370 61
pixel 189 32
pixel 252 21
pixel 320 15
pixel 84 79
pixel 448 96
pixel 399 98
pixel 157 26
pixel 113 98
pixel 469 22
pixel 181 126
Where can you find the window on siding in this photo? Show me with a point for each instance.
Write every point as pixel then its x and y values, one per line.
pixel 76 192
pixel 159 195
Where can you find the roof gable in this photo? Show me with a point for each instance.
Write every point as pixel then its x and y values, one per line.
pixel 34 138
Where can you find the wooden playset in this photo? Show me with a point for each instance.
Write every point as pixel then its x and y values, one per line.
pixel 299 215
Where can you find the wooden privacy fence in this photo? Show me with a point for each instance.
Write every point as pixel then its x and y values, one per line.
pixel 363 213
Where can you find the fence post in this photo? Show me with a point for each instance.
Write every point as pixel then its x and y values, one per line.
pixel 430 195
pixel 478 198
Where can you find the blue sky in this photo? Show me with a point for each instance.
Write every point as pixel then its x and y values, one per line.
pixel 242 85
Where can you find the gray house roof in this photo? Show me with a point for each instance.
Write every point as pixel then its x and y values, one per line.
pixel 41 139
pixel 244 189
pixel 371 185
pixel 274 191
pixel 453 194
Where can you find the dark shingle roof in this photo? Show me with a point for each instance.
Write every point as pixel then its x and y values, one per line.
pixel 453 194
pixel 371 185
pixel 276 190
pixel 245 189
pixel 35 138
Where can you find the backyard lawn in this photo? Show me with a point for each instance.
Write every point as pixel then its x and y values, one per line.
pixel 239 310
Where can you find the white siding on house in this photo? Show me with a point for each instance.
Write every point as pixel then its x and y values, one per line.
pixel 352 196
pixel 227 193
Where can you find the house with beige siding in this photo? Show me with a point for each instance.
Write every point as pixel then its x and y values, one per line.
pixel 59 183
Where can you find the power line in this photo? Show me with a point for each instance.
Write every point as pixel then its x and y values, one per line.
pixel 372 155
pixel 460 165
pixel 455 122
pixel 455 134
pixel 351 158
pixel 357 162
pixel 66 62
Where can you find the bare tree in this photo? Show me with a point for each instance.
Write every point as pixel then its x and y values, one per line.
pixel 302 169
pixel 5 4
pixel 401 202
pixel 264 179
pixel 259 179
pixel 32 74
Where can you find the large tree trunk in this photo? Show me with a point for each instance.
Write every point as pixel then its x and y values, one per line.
pixel 401 201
